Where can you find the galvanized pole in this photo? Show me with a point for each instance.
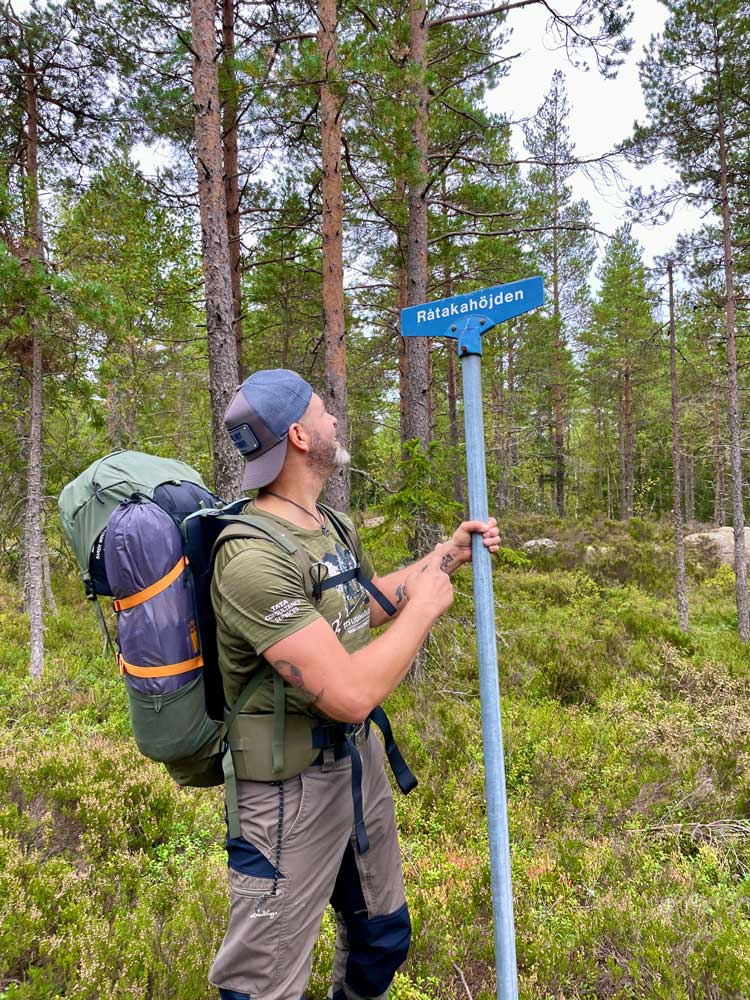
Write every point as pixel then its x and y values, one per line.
pixel 466 318
pixel 492 728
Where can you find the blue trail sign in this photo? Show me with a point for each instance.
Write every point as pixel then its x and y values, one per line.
pixel 447 317
pixel 466 318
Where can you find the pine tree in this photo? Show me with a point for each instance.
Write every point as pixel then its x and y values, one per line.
pixel 693 83
pixel 565 251
pixel 53 75
pixel 619 348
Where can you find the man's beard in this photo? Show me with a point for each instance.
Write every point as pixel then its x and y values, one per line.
pixel 326 457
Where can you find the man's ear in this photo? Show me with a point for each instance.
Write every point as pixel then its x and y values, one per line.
pixel 298 437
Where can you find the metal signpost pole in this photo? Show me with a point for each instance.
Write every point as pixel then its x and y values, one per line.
pixel 467 318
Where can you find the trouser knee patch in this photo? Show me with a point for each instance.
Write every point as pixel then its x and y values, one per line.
pixel 377 948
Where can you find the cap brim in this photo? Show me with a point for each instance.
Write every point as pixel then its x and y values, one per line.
pixel 263 470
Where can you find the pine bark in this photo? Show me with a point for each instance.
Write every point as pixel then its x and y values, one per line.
pixel 34 576
pixel 627 471
pixel 680 586
pixel 455 437
pixel 515 493
pixel 334 316
pixel 403 360
pixel 418 403
pixel 735 453
pixel 720 489
pixel 222 353
pixel 559 442
pixel 453 431
pixel 232 172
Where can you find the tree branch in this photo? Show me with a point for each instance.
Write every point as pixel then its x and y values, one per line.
pixel 471 15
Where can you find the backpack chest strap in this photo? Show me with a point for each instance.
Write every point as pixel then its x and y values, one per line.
pixel 361 577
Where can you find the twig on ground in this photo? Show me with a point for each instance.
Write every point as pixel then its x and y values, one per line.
pixel 463 980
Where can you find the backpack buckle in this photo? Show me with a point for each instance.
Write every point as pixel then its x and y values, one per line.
pixel 318 574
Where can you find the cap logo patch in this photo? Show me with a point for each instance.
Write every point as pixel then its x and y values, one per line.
pixel 244 440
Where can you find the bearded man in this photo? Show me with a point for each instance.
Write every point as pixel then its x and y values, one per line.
pixel 315 807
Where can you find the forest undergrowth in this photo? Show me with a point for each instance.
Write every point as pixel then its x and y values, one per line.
pixel 628 772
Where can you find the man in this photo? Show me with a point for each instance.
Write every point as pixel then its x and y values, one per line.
pixel 320 827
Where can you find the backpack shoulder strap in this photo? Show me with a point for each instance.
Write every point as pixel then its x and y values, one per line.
pixel 347 535
pixel 351 539
pixel 249 526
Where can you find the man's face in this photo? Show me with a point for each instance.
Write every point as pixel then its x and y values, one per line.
pixel 326 453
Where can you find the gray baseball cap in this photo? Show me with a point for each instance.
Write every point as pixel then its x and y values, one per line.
pixel 257 420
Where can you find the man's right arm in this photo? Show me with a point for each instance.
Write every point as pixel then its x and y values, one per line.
pixel 348 686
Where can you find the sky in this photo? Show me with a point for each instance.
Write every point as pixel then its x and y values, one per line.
pixel 602 114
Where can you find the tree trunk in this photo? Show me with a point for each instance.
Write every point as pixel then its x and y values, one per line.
pixel 515 493
pixel 453 431
pixel 559 442
pixel 720 489
pixel 403 359
pixel 598 493
pixel 629 469
pixel 34 577
pixel 503 484
pixel 735 452
pixel 680 587
pixel 334 318
pixel 418 348
pixel 622 485
pixel 222 353
pixel 232 173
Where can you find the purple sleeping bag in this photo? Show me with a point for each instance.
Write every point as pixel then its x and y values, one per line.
pixel 142 545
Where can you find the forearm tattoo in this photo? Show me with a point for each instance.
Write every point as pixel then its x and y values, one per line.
pixel 446 561
pixel 293 676
pixel 401 594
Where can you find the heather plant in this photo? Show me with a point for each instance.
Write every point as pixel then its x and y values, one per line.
pixel 628 779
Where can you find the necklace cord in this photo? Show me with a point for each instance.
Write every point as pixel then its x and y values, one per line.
pixel 318 517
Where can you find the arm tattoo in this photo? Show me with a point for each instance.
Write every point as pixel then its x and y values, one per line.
pixel 401 593
pixel 293 676
pixel 446 561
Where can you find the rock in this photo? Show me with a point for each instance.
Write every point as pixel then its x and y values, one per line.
pixel 721 541
pixel 373 522
pixel 535 545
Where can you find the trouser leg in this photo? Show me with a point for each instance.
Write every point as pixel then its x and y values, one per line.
pixel 266 953
pixel 373 927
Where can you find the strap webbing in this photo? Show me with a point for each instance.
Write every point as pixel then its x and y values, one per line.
pixel 363 841
pixel 362 578
pixel 168 670
pixel 403 774
pixel 227 764
pixel 124 603
pixel 336 734
pixel 279 723
pixel 230 795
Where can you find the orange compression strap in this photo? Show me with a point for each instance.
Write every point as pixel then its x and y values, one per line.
pixel 168 670
pixel 122 604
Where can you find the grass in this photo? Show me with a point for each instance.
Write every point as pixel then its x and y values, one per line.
pixel 628 774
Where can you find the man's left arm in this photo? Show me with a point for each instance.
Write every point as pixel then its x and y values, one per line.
pixel 455 552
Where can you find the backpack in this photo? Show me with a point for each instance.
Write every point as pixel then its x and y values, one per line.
pixel 145 530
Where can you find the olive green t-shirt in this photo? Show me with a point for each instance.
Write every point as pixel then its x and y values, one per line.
pixel 259 599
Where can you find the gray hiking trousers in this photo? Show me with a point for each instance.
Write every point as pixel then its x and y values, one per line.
pixel 296 854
